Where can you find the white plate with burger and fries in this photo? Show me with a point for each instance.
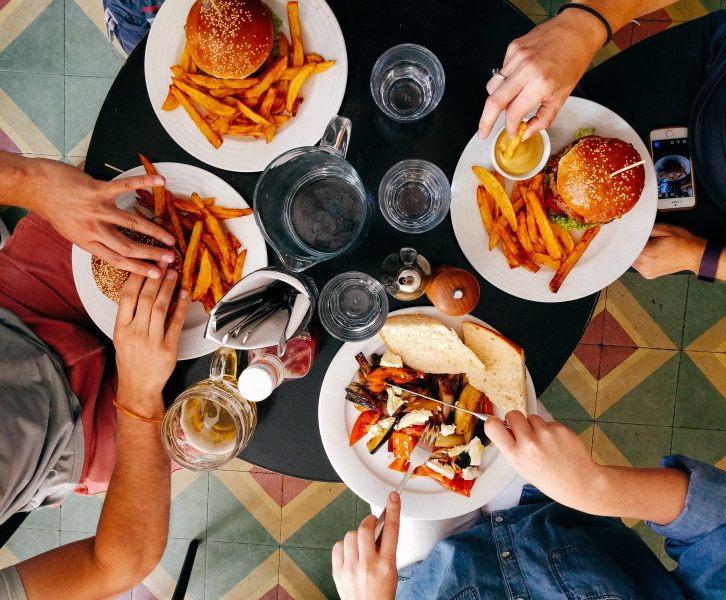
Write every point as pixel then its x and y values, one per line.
pixel 183 181
pixel 241 106
pixel 568 264
pixel 431 342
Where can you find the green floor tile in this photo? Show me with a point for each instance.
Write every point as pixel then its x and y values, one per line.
pixel 228 564
pixel 41 98
pixel 563 405
pixel 229 521
pixel 87 49
pixel 642 445
pixel 83 97
pixel 188 517
pixel 329 525
pixel 81 513
pixel 702 444
pixel 652 401
pixel 317 566
pixel 699 404
pixel 667 561
pixel 27 543
pixel 577 426
pixel 706 307
pixel 39 47
pixel 68 537
pixel 650 537
pixel 362 510
pixel 173 559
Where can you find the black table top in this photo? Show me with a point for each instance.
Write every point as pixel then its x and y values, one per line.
pixel 470 38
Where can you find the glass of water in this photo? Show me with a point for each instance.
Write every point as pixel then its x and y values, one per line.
pixel 353 306
pixel 407 82
pixel 414 196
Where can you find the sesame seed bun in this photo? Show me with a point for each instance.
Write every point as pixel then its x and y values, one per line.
pixel 232 40
pixel 579 182
pixel 110 280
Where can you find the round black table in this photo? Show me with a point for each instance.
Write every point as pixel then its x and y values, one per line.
pixel 470 38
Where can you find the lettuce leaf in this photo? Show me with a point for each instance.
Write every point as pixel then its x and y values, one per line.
pixel 567 223
pixel 584 132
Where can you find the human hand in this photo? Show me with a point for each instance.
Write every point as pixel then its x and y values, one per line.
pixel 548 455
pixel 146 343
pixel 542 67
pixel 670 249
pixel 83 210
pixel 362 570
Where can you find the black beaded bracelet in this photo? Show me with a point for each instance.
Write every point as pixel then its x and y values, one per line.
pixel 595 14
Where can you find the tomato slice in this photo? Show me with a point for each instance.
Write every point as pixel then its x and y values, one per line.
pixel 457 484
pixel 414 430
pixel 363 424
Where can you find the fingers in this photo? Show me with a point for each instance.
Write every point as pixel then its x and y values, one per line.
pixel 147 298
pixel 518 424
pixel 389 536
pixel 129 297
pixel 537 422
pixel 338 556
pixel 124 246
pixel 497 102
pixel 129 184
pixel 136 223
pixel 176 323
pixel 350 546
pixel 665 230
pixel 366 537
pixel 543 119
pixel 113 258
pixel 500 436
pixel 159 311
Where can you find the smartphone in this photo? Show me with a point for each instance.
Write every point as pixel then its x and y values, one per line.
pixel 673 168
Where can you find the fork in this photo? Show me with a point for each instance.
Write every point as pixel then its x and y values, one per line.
pixel 419 455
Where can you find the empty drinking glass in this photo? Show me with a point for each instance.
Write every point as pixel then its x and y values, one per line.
pixel 414 196
pixel 353 306
pixel 407 82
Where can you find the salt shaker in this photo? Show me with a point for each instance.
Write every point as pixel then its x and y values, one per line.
pixel 405 274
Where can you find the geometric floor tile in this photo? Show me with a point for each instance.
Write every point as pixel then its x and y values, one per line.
pixel 162 581
pixel 27 543
pixel 45 518
pixel 594 330
pixel 705 445
pixel 573 393
pixel 327 527
pixel 189 493
pixel 306 573
pixel 240 571
pixel 83 99
pixel 701 394
pixel 32 40
pixel 621 444
pixel 81 513
pixel 705 327
pixel 84 38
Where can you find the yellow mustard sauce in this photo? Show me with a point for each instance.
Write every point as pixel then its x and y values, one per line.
pixel 525 157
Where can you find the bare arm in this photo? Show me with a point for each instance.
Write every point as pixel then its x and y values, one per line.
pixel 132 531
pixel 84 210
pixel 552 458
pixel 543 66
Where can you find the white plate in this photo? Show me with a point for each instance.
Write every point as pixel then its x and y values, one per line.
pixel 323 92
pixel 182 180
pixel 367 475
pixel 608 256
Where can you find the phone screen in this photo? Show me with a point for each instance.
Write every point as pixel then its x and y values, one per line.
pixel 673 168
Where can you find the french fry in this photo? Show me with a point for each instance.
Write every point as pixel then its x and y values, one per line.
pixel 212 137
pixel 266 105
pixel 534 203
pixel 222 92
pixel 269 133
pixel 247 112
pixel 171 103
pixel 280 119
pixel 535 184
pixel 157 191
pixel 495 188
pixel 509 243
pixel 212 225
pixel 254 130
pixel 180 73
pixel 208 301
pixel 516 140
pixel 522 232
pixel 208 102
pixel 494 210
pixel 186 62
pixel 204 278
pixel 296 105
pixel 545 260
pixel 239 266
pixel 295 84
pixel 178 231
pixel 511 258
pixel 220 212
pixel 213 82
pixel 564 236
pixel 532 228
pixel 190 258
pixel 293 19
pixel 145 198
pixel 314 57
pixel 216 283
pixel 516 207
pixel 484 209
pixel 233 241
pixel 267 79
pixel 319 67
pixel 283 46
pixel 572 258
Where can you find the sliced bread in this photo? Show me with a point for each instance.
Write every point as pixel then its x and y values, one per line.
pixel 504 379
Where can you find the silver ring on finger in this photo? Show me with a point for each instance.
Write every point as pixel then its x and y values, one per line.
pixel 497 74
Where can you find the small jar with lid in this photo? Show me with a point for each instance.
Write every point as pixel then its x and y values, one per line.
pixel 266 370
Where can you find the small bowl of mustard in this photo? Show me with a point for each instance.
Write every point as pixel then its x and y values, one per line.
pixel 528 159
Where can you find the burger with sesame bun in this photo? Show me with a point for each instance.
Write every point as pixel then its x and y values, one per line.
pixel 110 280
pixel 579 191
pixel 231 39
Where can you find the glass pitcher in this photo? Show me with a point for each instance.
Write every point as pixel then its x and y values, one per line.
pixel 210 422
pixel 311 204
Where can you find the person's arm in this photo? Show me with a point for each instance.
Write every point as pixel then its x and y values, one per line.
pixel 361 568
pixel 83 210
pixel 543 66
pixel 553 458
pixel 671 249
pixel 132 531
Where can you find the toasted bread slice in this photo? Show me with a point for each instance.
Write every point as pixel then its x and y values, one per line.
pixel 426 344
pixel 504 376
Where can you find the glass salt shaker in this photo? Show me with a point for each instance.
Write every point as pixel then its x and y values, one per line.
pixel 405 274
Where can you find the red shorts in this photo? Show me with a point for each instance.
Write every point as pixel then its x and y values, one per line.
pixel 36 284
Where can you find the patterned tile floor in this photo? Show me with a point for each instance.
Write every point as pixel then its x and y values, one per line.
pixel 648 378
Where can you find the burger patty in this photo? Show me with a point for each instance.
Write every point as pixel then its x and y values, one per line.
pixel 552 200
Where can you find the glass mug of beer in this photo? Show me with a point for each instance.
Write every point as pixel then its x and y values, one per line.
pixel 210 422
pixel 311 204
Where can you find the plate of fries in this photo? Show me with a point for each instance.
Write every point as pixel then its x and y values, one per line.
pixel 221 244
pixel 504 231
pixel 243 124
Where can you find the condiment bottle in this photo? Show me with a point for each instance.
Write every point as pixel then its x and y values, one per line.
pixel 405 274
pixel 453 291
pixel 266 370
